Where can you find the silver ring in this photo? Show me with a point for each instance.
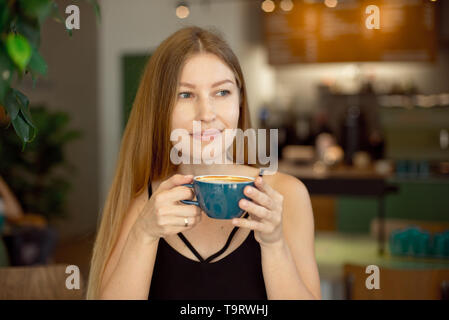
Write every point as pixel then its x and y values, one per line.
pixel 186 222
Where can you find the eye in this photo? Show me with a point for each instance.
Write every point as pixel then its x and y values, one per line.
pixel 185 95
pixel 224 93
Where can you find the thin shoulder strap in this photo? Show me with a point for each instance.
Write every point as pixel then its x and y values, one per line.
pixel 189 245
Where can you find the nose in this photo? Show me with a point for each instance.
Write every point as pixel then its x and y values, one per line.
pixel 206 110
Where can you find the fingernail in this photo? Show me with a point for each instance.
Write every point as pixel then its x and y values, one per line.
pixel 248 190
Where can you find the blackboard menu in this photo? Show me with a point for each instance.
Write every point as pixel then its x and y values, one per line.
pixel 313 32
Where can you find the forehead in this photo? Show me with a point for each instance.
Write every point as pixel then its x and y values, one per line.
pixel 205 69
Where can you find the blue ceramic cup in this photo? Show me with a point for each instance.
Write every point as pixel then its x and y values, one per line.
pixel 219 195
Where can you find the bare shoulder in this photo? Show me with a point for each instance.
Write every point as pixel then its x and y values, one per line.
pixel 287 185
pixel 294 193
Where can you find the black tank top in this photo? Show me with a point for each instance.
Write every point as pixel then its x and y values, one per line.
pixel 237 276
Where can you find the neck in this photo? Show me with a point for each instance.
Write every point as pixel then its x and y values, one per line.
pixel 204 169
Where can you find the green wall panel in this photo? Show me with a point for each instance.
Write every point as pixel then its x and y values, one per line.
pixel 132 70
pixel 426 200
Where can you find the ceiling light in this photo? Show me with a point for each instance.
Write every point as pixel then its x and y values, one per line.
pixel 182 10
pixel 286 5
pixel 331 3
pixel 268 6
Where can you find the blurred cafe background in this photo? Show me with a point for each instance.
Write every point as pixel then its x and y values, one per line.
pixel 362 113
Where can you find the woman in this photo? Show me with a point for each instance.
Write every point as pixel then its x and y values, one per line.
pixel 149 244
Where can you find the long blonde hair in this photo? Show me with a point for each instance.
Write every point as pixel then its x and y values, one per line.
pixel 145 147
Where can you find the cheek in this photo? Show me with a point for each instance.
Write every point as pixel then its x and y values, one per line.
pixel 231 113
pixel 235 115
pixel 179 119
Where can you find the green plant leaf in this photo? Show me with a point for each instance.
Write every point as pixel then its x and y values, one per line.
pixel 27 116
pixel 17 106
pixel 25 111
pixel 39 9
pixel 21 98
pixel 30 30
pixel 12 105
pixel 6 73
pixel 37 64
pixel 22 128
pixel 18 49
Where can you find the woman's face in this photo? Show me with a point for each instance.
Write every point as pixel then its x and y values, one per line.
pixel 207 93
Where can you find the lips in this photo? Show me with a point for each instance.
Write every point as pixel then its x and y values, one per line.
pixel 206 135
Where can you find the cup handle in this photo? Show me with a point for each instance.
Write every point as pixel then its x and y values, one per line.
pixel 190 185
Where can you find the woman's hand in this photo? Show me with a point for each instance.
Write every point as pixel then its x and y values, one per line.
pixel 163 215
pixel 265 211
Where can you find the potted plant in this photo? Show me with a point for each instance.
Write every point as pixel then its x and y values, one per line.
pixel 40 179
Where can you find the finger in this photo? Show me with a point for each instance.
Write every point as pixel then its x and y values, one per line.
pixel 255 209
pixel 177 221
pixel 181 210
pixel 265 187
pixel 176 194
pixel 250 224
pixel 259 197
pixel 175 180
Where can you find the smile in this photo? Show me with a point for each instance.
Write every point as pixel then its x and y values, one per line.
pixel 207 135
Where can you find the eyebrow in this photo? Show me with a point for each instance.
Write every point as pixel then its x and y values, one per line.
pixel 186 84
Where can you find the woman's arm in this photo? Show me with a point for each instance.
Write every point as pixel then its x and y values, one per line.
pixel 13 209
pixel 282 280
pixel 129 270
pixel 129 273
pixel 289 266
pixel 131 277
